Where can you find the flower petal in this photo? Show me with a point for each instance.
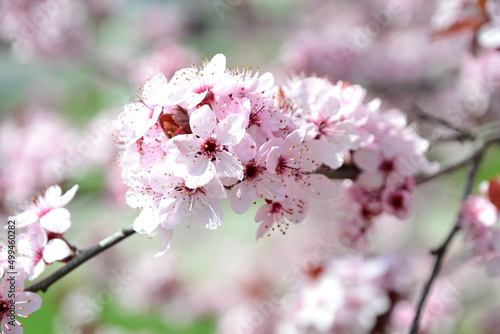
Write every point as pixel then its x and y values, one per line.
pixel 242 197
pixel 200 172
pixel 27 303
pixel 57 221
pixel 24 218
pixel 147 221
pixel 68 196
pixel 230 130
pixel 203 121
pixel 56 250
pixel 229 165
pixel 165 237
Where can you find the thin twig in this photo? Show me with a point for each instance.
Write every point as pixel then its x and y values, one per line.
pixel 80 258
pixel 463 133
pixel 441 250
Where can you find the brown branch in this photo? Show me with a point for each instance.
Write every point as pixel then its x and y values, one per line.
pixel 441 250
pixel 463 134
pixel 80 258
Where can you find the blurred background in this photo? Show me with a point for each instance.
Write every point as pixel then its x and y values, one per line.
pixel 68 67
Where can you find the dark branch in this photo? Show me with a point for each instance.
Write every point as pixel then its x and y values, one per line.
pixel 80 258
pixel 441 250
pixel 463 134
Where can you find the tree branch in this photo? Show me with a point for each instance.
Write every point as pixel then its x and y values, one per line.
pixel 441 250
pixel 80 258
pixel 463 134
pixel 481 143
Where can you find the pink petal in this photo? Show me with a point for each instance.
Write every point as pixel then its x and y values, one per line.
pixel 242 197
pixel 273 158
pixel 292 141
pixel 262 230
pixel 186 144
pixel 266 81
pixel 165 237
pixel 57 221
pixel 226 86
pixel 203 121
pixel 216 66
pixel 24 218
pixel 246 150
pixel 6 328
pixel 210 216
pixel 230 130
pixel 69 195
pixel 271 187
pixel 368 158
pixel 229 165
pixel 263 212
pixel 53 196
pixel 371 180
pixel 200 172
pixel 321 187
pixel 37 270
pixel 215 189
pixel 27 303
pixel 37 235
pixel 147 221
pixel 333 159
pixel 311 155
pixel 56 250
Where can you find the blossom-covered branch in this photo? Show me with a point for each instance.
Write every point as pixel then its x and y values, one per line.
pixel 80 258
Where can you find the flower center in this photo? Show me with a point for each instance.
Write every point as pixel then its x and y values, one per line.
pixel 43 212
pixel 210 147
pixel 4 307
pixel 252 171
pixel 387 166
pixel 284 168
pixel 322 124
pixel 189 191
pixel 397 201
pixel 255 118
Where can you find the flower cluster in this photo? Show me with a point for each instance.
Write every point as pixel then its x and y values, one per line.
pixel 386 182
pixel 187 140
pixel 349 295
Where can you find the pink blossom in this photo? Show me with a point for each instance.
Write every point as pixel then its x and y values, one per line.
pixel 136 119
pixel 4 259
pixel 200 85
pixel 25 303
pixel 36 250
pixel 61 31
pixel 477 211
pixel 48 210
pixel 279 215
pixel 397 196
pixel 37 162
pixel 179 202
pixel 257 182
pixel 330 113
pixel 204 152
pixel 478 215
pixel 211 127
pixel 345 297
